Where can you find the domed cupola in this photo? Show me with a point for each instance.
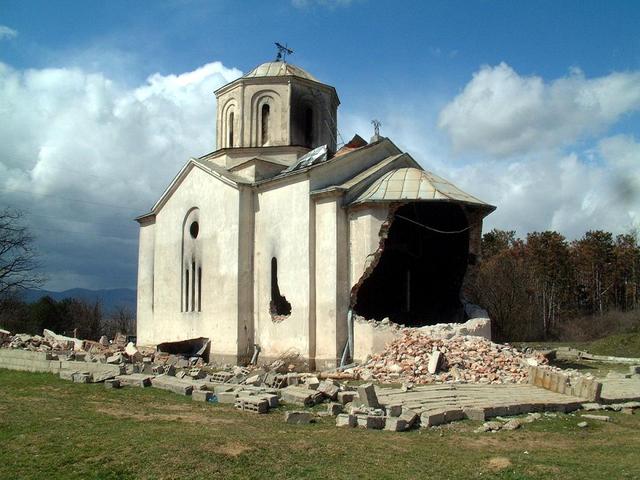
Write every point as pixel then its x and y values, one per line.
pixel 276 104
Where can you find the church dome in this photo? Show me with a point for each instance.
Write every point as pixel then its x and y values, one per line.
pixel 279 69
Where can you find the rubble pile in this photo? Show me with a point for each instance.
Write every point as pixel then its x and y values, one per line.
pixel 421 359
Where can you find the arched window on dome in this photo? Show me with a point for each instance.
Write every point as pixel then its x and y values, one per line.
pixel 230 130
pixel 264 113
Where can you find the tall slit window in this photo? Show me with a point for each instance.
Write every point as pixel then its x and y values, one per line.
pixel 186 290
pixel 266 110
pixel 193 289
pixel 230 128
pixel 308 127
pixel 199 289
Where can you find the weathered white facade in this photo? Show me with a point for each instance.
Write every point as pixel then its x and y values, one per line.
pixel 276 238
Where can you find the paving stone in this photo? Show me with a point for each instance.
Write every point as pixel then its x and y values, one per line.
pixel 346 396
pixel 328 389
pixel 112 383
pixel 346 420
pixel 201 395
pixel 396 424
pixel 172 384
pixel 135 380
pixel 375 422
pixel 271 399
pixel 367 395
pixel 600 418
pixel 453 415
pixel 409 417
pixel 298 417
pixel 81 377
pixel 300 396
pixel 477 414
pixel 394 410
pixel 431 418
pixel 226 397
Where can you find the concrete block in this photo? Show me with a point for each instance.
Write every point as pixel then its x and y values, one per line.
pixel 67 375
pixel 394 410
pixel 453 415
pixel 475 413
pixel 112 383
pixel 116 358
pixel 431 418
pixel 409 417
pixel 334 408
pixel 375 422
pixel 328 389
pixel 223 388
pixel 81 377
pixel 227 397
pixel 201 395
pixel 367 395
pixel 346 396
pixel 252 404
pixel 300 396
pixel 135 380
pixel 298 418
pixel 271 399
pixel 346 420
pixel 172 384
pixel 396 424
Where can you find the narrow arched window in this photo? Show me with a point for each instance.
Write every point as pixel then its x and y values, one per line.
pixel 266 110
pixel 308 127
pixel 230 129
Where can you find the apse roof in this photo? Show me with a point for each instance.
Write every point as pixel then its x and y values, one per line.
pixel 411 184
pixel 279 69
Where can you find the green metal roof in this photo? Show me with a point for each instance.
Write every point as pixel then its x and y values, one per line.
pixel 413 184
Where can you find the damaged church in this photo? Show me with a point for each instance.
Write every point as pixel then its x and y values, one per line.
pixel 282 240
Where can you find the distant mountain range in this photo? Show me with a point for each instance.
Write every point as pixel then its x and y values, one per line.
pixel 110 298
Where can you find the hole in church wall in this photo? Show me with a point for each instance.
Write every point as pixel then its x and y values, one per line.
pixel 194 229
pixel 279 307
pixel 418 275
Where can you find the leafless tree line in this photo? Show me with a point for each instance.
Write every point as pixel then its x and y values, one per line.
pixel 534 287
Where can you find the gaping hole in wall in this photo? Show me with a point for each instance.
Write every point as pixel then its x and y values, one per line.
pixel 418 277
pixel 278 307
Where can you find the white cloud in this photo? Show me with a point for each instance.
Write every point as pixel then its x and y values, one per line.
pixel 85 155
pixel 502 113
pixel 7 33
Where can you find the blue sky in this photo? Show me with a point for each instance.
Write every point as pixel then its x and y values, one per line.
pixel 533 106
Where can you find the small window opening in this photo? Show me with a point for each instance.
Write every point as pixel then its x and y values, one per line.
pixel 265 124
pixel 230 124
pixel 199 289
pixel 308 127
pixel 193 288
pixel 194 229
pixel 186 290
pixel 279 307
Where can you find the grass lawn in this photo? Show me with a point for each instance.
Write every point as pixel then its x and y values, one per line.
pixel 619 345
pixel 51 428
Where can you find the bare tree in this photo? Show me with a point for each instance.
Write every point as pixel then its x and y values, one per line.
pixel 18 259
pixel 122 320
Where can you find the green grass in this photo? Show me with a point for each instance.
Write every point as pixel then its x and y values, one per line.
pixel 619 345
pixel 50 428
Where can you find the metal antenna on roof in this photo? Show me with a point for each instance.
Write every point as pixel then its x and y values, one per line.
pixel 283 51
